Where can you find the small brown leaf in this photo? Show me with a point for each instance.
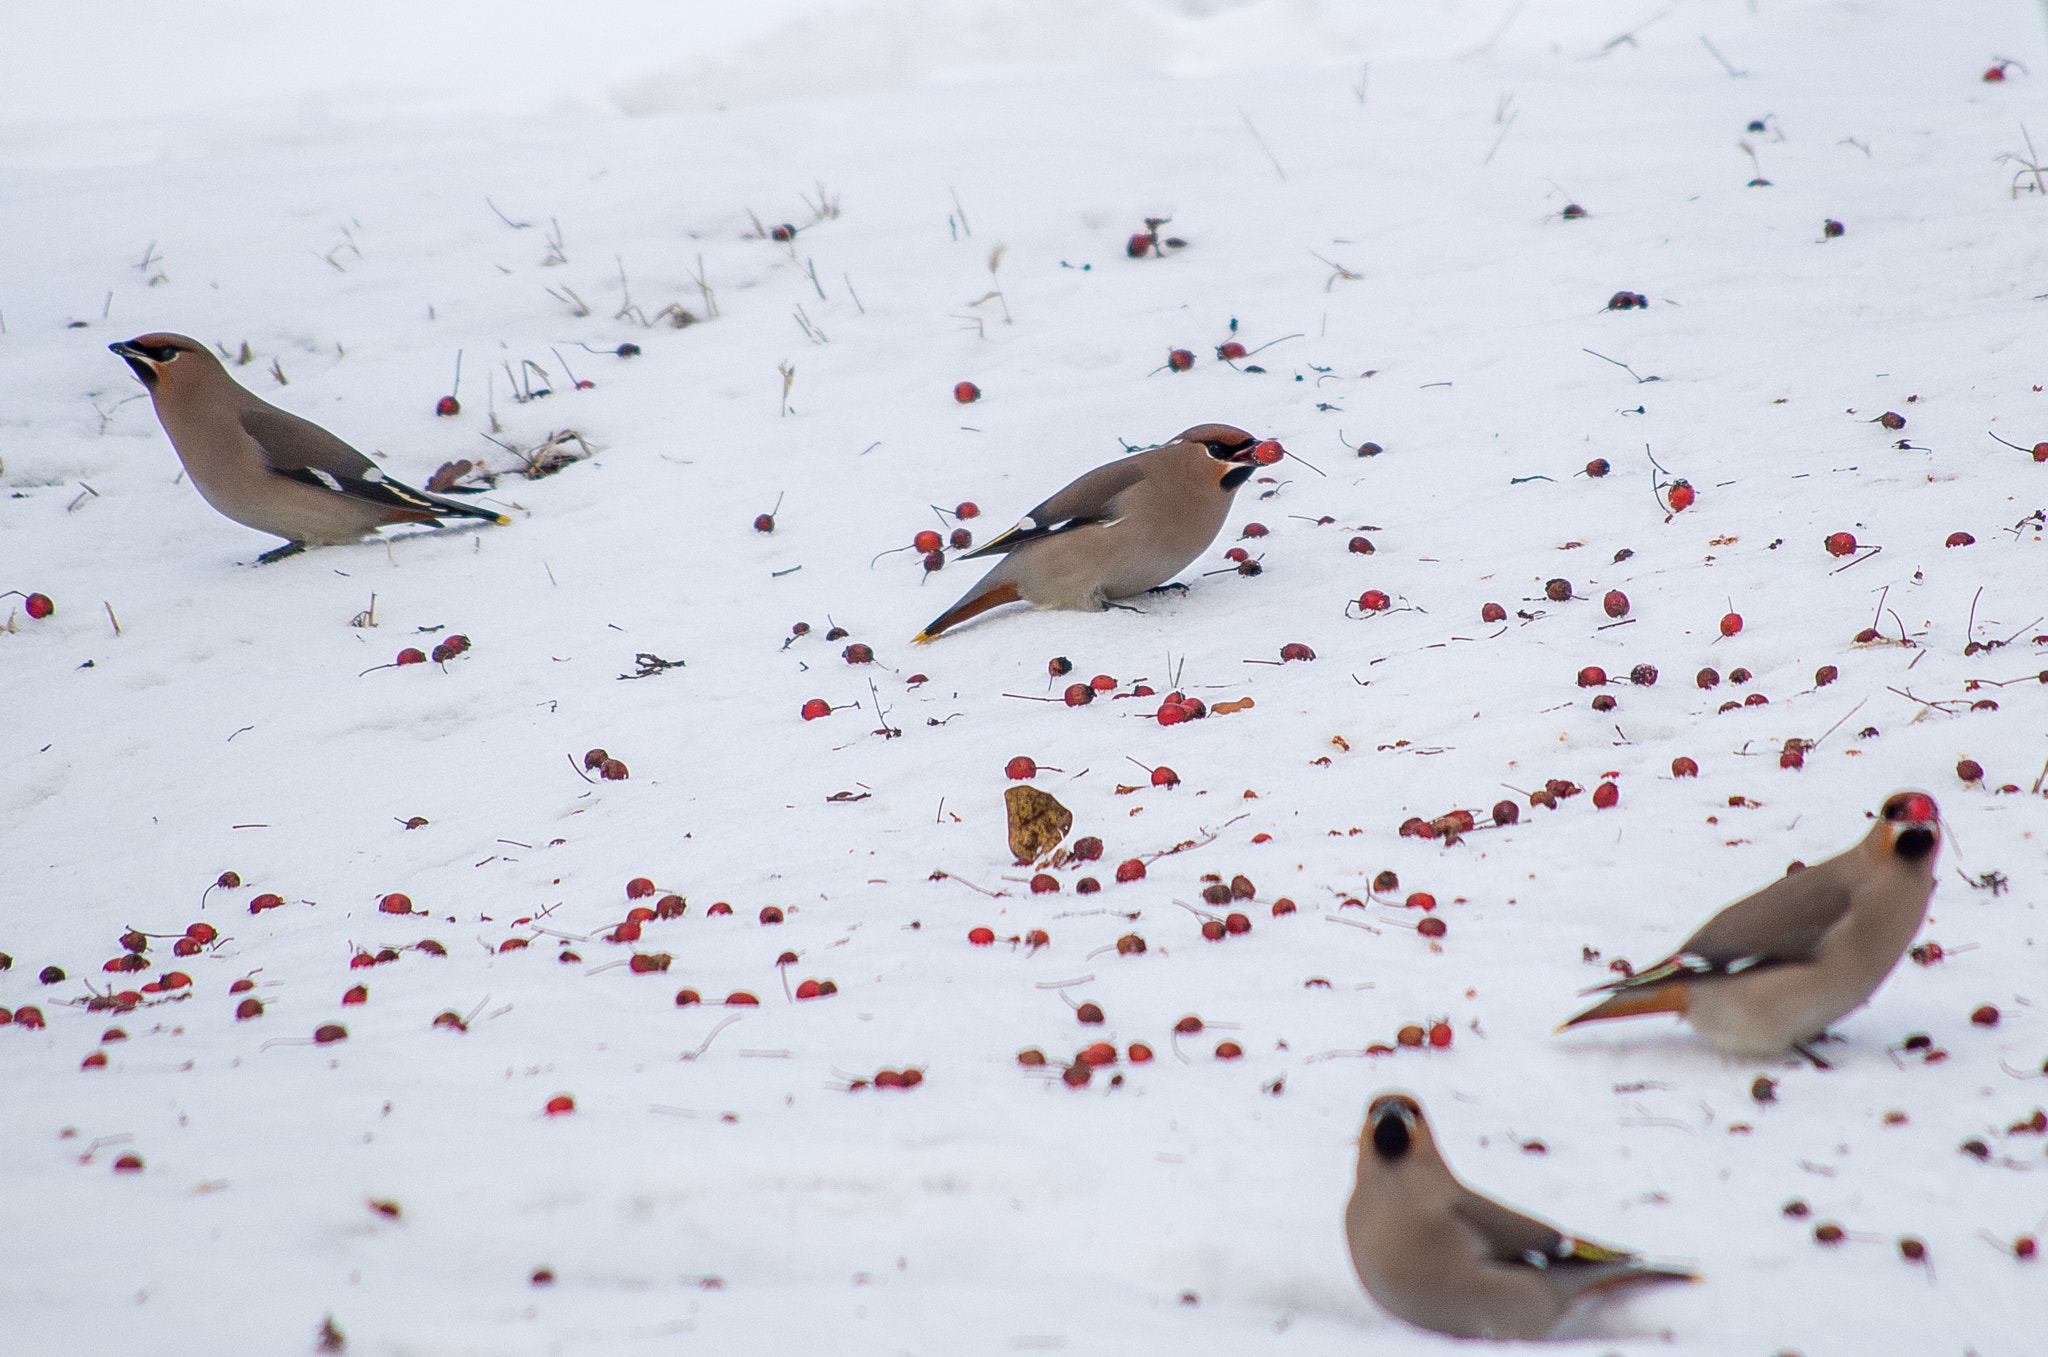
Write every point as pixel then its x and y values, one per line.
pixel 1037 822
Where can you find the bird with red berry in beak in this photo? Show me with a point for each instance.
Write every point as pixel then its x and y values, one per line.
pixel 1773 971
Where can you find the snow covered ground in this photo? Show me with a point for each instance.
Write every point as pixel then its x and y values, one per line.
pixel 1379 195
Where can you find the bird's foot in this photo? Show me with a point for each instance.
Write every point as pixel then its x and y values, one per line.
pixel 279 553
pixel 1123 608
pixel 1806 1050
pixel 1160 589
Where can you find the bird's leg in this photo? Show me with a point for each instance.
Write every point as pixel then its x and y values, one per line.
pixel 279 553
pixel 1811 1054
pixel 1123 607
pixel 1160 589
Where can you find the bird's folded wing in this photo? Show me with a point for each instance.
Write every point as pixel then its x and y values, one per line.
pixel 1782 923
pixel 1090 499
pixel 290 443
pixel 1508 1236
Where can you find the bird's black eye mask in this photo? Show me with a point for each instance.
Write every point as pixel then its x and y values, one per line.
pixel 134 355
pixel 1224 452
pixel 1390 1136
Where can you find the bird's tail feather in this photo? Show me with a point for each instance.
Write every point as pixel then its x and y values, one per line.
pixel 1669 997
pixel 973 605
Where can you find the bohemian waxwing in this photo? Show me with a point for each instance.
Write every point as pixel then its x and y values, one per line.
pixel 265 467
pixel 1771 972
pixel 1437 1254
pixel 1119 530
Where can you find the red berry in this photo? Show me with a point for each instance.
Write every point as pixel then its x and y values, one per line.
pixel 1020 769
pixel 128 1163
pixel 934 560
pixel 1180 360
pixel 1237 923
pixel 1212 929
pixel 1684 767
pixel 1045 883
pixel 1643 676
pixel 784 232
pixel 251 1007
pixel 1171 713
pixel 816 708
pixel 981 937
pixel 1615 603
pixel 1129 870
pixel 926 541
pixel 961 539
pixel 1374 601
pixel 1840 544
pixel 1606 795
pixel 328 1033
pixel 967 508
pixel 395 903
pixel 1237 554
pixel 639 888
pixel 1102 683
pixel 1089 1015
pixel 764 522
pixel 359 994
pixel 2024 1247
pixel 1228 1050
pixel 447 405
pixel 1440 1034
pixel 1230 351
pixel 717 908
pixel 1680 496
pixel 1254 530
pixel 560 1105
pixel 2040 455
pixel 739 998
pixel 1960 539
pixel 1295 650
pixel 1994 74
pixel 613 771
pixel 1985 1016
pixel 1969 770
pixel 1162 776
pixel 1597 468
pixel 858 653
pixel 1138 244
pixel 1079 695
pixel 39 606
pixel 1138 1053
pixel 96 1061
pixel 1432 927
pixel 1361 546
pixel 1269 451
pixel 1731 623
pixel 966 393
pixel 1101 1053
pixel 265 901
pixel 1793 759
pixel 1592 676
pixel 1493 612
pixel 411 655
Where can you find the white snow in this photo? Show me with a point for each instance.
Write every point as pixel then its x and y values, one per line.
pixel 317 188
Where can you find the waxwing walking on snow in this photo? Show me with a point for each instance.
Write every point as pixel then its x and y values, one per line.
pixel 1439 1255
pixel 1771 972
pixel 265 467
pixel 1120 530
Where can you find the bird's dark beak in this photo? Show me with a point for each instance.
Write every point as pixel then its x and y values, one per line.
pixel 1247 454
pixel 143 365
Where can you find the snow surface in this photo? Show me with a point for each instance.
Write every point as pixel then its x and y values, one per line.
pixel 230 724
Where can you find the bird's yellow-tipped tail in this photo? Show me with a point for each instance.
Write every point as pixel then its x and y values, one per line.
pixel 502 520
pixel 1005 592
pixel 1669 997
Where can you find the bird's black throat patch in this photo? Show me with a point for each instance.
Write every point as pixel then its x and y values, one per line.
pixel 1390 1136
pixel 1914 844
pixel 1237 476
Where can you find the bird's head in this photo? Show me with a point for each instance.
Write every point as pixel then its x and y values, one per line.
pixel 1393 1126
pixel 1912 825
pixel 155 357
pixel 1229 448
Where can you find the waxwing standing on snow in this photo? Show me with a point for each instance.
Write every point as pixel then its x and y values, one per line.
pixel 1772 971
pixel 265 467
pixel 1119 530
pixel 1437 1254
